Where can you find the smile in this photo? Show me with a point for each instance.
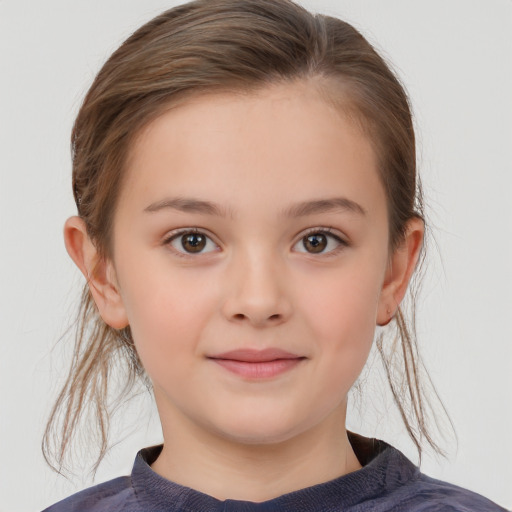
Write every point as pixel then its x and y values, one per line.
pixel 257 364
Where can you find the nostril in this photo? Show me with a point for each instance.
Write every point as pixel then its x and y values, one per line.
pixel 241 316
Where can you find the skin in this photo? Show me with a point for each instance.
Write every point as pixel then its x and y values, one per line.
pixel 254 285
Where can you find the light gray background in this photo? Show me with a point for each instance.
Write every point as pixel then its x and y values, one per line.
pixel 454 56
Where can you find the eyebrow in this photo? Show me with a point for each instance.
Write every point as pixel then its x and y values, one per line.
pixel 189 205
pixel 302 209
pixel 324 206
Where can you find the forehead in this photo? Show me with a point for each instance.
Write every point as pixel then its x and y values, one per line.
pixel 285 140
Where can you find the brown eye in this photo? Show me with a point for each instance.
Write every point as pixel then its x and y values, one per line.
pixel 322 242
pixel 193 242
pixel 317 242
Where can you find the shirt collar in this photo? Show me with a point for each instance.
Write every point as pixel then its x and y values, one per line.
pixel 384 468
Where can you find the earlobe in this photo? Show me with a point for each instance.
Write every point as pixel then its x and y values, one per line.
pixel 400 269
pixel 99 273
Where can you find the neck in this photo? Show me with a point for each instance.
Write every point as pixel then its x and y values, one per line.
pixel 212 464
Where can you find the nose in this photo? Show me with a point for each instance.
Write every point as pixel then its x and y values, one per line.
pixel 256 291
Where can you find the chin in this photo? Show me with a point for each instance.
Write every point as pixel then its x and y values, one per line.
pixel 261 430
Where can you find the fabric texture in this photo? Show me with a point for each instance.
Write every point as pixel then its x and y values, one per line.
pixel 388 481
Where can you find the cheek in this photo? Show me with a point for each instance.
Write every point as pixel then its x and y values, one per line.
pixel 341 312
pixel 167 312
pixel 348 301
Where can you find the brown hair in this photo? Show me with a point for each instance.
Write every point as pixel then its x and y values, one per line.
pixel 228 45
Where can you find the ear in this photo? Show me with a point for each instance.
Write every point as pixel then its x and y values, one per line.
pixel 399 271
pixel 100 273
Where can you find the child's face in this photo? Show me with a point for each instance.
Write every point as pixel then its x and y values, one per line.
pixel 254 277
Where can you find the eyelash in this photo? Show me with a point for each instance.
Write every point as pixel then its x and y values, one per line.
pixel 329 234
pixel 176 234
pixel 312 231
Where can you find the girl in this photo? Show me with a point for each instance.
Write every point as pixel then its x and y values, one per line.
pixel 248 213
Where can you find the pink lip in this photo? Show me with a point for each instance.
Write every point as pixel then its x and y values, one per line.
pixel 257 364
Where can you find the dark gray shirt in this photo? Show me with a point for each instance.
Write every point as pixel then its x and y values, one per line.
pixel 388 481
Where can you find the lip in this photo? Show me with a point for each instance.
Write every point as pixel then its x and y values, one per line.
pixel 257 364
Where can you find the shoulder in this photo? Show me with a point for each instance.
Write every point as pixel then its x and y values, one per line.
pixel 404 487
pixel 114 495
pixel 391 482
pixel 428 494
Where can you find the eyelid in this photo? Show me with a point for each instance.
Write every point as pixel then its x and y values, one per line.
pixel 330 233
pixel 173 235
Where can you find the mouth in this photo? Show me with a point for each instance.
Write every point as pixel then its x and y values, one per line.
pixel 257 364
